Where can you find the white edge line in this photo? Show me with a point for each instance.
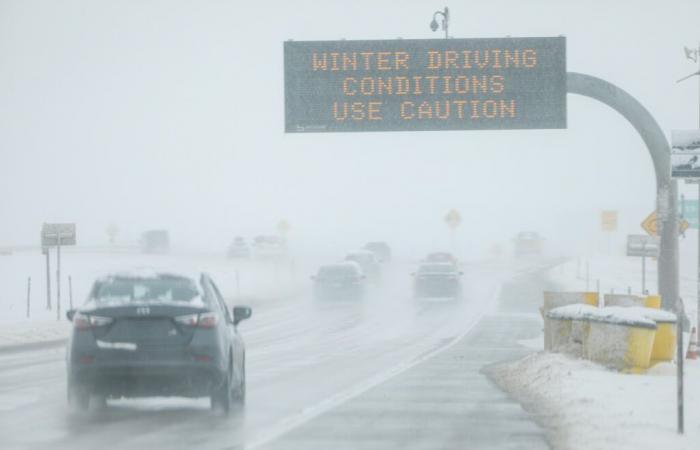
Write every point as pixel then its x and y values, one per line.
pixel 288 424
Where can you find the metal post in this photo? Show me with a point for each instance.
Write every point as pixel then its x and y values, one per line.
pixel 578 267
pixel 698 268
pixel 644 274
pixel 588 275
pixel 679 366
pixel 58 276
pixel 70 291
pixel 447 21
pixel 48 278
pixel 29 294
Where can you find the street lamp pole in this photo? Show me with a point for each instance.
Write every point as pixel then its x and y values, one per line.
pixel 445 21
pixel 694 55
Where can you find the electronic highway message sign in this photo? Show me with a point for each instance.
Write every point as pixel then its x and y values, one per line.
pixel 425 84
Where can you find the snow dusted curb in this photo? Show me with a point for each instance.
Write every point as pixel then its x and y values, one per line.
pixel 33 335
pixel 585 406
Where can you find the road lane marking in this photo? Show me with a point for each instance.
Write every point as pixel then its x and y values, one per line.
pixel 307 414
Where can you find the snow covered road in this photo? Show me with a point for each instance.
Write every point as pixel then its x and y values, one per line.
pixel 304 359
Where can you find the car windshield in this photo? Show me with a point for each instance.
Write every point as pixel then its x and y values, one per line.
pixel 145 289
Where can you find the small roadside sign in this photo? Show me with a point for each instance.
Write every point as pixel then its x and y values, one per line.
pixel 690 212
pixel 608 220
pixel 685 153
pixel 649 225
pixel 453 219
pixel 54 234
pixel 642 245
pixel 283 227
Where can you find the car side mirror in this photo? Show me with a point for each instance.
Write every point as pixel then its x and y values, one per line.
pixel 69 314
pixel 241 313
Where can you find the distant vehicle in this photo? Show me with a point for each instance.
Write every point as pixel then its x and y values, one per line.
pixel 441 257
pixel 368 261
pixel 265 247
pixel 155 241
pixel 528 243
pixel 440 279
pixel 239 249
pixel 381 249
pixel 340 281
pixel 156 334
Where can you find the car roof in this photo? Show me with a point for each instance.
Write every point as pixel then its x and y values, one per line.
pixel 343 264
pixel 149 273
pixel 446 265
pixel 361 252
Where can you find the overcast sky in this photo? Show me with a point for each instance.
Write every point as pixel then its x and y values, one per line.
pixel 170 114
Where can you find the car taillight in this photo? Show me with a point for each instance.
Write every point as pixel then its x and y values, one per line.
pixel 190 320
pixel 204 320
pixel 207 320
pixel 86 321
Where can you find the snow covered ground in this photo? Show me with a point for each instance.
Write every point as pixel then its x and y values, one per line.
pixel 586 406
pixel 249 282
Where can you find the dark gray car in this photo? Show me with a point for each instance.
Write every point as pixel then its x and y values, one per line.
pixel 156 334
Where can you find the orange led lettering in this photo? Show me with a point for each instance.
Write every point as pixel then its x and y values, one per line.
pixel 425 111
pixel 407 110
pixel 401 60
pixel 434 60
pixel 350 61
pixel 529 58
pixel 373 111
pixel 319 63
pixel 346 86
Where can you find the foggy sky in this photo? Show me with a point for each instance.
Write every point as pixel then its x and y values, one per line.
pixel 170 114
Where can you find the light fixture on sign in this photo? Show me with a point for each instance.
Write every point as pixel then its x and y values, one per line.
pixel 445 20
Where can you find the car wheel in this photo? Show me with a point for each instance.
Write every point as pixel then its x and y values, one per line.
pixel 221 396
pixel 78 396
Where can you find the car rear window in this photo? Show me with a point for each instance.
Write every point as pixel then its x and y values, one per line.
pixel 145 289
pixel 436 268
pixel 337 272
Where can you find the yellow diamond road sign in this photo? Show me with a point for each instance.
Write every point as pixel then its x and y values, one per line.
pixel 649 225
pixel 453 219
pixel 608 220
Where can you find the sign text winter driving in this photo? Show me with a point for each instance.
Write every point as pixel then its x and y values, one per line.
pixel 434 84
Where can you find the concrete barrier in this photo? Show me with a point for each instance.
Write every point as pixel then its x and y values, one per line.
pixel 623 300
pixel 621 338
pixel 621 346
pixel 653 301
pixel 555 300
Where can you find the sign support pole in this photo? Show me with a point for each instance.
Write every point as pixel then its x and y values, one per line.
pixel 679 367
pixel 48 278
pixel 58 277
pixel 644 274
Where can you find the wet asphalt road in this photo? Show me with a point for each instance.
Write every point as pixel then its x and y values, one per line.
pixel 385 373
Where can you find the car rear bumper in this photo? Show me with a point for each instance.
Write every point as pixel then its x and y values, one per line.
pixel 147 379
pixel 441 290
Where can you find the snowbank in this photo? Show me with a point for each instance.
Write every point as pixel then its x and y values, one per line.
pixel 584 406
